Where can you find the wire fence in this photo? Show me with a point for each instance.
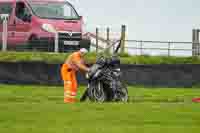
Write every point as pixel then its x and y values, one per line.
pixel 163 48
pixel 71 41
pixel 47 45
pixel 132 47
pixel 152 48
pixel 103 37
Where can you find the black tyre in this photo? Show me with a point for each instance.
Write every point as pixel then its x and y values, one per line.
pixel 36 44
pixel 33 43
pixel 96 92
pixel 122 94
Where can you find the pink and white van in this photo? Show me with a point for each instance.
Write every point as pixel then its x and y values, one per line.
pixel 33 24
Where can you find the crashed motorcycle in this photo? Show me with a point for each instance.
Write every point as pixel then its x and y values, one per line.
pixel 105 81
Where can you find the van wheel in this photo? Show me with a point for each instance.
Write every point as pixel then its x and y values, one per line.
pixel 37 45
pixel 32 45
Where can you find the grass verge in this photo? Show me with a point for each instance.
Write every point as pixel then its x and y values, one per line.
pixel 91 57
pixel 39 109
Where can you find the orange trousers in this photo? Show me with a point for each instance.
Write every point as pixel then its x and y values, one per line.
pixel 70 83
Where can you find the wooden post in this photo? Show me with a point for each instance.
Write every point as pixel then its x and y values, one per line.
pixel 56 43
pixel 169 48
pixel 108 39
pixel 141 43
pixel 4 17
pixel 195 42
pixel 197 45
pixel 123 35
pixel 97 38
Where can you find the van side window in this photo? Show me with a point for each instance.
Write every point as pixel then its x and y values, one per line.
pixel 22 12
pixel 5 8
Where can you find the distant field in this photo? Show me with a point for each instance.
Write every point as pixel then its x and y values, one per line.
pixel 40 109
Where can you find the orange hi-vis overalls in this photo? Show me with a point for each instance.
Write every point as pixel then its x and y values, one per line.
pixel 68 74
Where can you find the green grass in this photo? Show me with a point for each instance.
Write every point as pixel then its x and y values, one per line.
pixel 91 57
pixel 40 109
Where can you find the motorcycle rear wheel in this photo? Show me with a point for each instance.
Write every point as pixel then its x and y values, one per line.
pixel 122 94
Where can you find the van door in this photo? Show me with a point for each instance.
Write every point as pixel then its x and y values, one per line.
pixel 6 8
pixel 22 23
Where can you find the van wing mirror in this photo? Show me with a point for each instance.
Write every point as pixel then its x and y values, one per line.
pixel 27 18
pixel 80 17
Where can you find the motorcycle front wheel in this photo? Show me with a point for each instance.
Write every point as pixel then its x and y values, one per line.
pixel 96 92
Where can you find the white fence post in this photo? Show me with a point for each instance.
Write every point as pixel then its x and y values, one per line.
pixel 56 42
pixel 4 17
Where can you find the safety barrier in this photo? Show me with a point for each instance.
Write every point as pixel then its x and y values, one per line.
pixel 170 75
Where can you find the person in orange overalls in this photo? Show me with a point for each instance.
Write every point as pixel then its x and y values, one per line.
pixel 72 64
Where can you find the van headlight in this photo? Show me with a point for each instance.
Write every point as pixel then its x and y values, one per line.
pixel 48 28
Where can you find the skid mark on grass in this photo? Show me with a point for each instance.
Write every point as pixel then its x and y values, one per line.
pixel 30 99
pixel 156 100
pixel 59 99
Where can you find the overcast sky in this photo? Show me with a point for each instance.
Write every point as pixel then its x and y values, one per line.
pixel 164 20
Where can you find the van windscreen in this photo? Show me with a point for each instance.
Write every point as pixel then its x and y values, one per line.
pixel 54 10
